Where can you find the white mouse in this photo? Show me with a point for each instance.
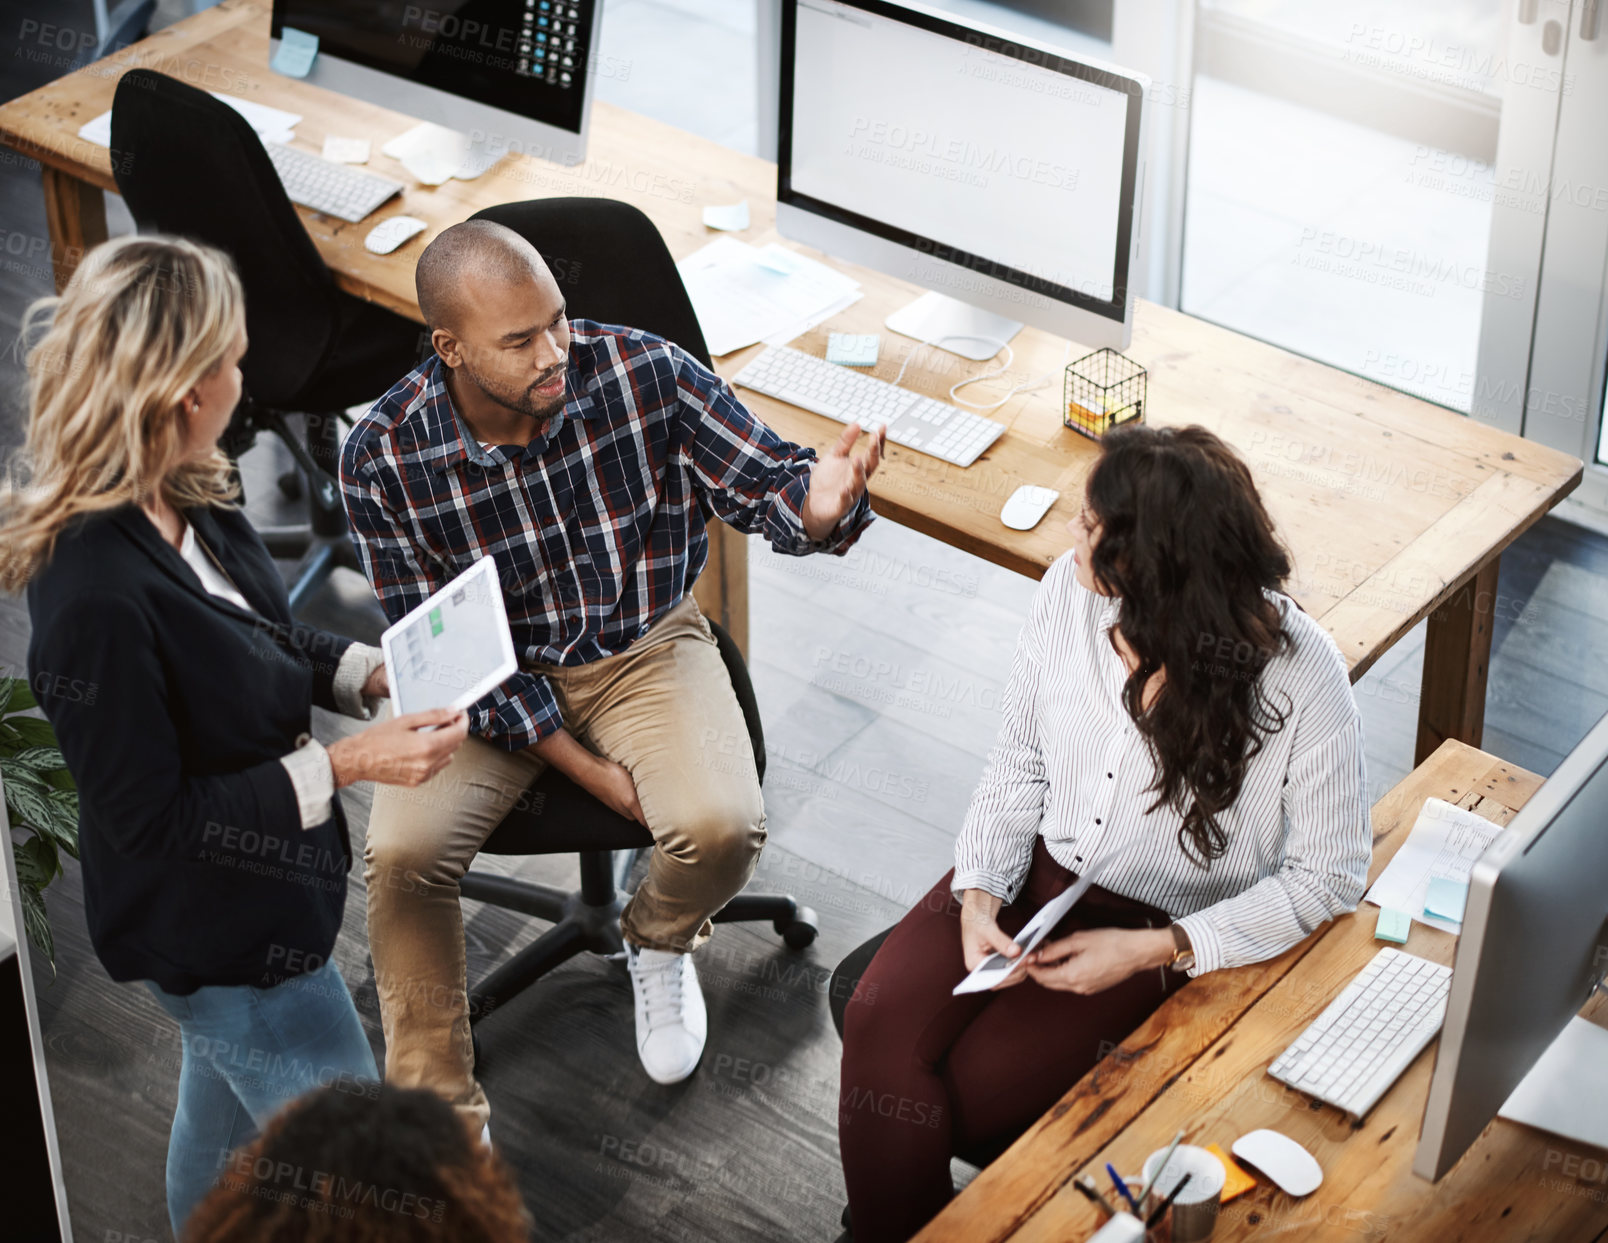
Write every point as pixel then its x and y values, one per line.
pixel 386 236
pixel 1027 505
pixel 1291 1166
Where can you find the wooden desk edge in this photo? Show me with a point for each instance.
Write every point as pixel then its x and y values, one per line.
pixel 1006 1194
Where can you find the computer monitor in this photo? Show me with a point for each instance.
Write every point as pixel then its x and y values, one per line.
pixel 510 75
pixel 1000 173
pixel 1533 947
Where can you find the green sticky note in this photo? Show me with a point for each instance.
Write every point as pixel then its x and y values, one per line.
pixel 1393 926
pixel 297 50
pixel 435 622
pixel 852 349
pixel 1446 898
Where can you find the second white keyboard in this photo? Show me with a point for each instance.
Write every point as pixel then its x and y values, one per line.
pixel 1352 1052
pixel 334 189
pixel 912 419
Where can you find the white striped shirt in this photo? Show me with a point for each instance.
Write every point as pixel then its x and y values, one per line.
pixel 1070 764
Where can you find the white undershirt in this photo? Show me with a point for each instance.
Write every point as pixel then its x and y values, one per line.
pixel 211 577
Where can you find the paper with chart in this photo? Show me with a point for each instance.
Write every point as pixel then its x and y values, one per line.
pixel 1444 843
pixel 743 294
pixel 453 648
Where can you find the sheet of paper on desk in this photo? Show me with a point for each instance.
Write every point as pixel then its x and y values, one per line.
pixel 743 294
pixel 271 124
pixel 1444 842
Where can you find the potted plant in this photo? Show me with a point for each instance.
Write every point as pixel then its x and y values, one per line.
pixel 42 803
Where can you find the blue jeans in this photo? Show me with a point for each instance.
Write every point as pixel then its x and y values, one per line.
pixel 247 1051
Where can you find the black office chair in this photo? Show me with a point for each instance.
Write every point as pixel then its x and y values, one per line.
pixel 190 165
pixel 613 267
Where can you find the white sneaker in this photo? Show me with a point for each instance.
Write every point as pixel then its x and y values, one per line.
pixel 671 1022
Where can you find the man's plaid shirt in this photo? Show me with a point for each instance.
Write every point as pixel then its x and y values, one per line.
pixel 596 524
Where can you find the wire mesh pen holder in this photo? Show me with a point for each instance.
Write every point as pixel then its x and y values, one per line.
pixel 1103 390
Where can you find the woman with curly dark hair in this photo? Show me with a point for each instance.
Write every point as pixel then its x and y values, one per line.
pixel 1177 727
pixel 361 1163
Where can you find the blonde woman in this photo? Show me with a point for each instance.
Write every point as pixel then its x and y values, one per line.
pixel 213 844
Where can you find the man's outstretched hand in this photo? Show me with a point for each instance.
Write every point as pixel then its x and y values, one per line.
pixel 838 479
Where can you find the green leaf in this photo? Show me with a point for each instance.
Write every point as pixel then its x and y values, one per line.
pixel 38 925
pixel 33 731
pixel 41 759
pixel 62 779
pixel 37 863
pixel 62 827
pixel 10 739
pixel 29 802
pixel 17 695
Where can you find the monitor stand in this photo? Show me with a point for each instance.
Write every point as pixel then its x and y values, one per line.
pixel 973 332
pixel 1566 1091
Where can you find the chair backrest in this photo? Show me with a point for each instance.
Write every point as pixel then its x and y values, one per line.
pixel 190 165
pixel 610 263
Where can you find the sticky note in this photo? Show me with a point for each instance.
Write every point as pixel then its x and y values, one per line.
pixel 296 51
pixel 346 150
pixel 1238 1181
pixel 732 218
pixel 852 349
pixel 1446 898
pixel 1393 926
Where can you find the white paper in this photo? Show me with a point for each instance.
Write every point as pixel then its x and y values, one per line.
pixel 346 150
pixel 741 297
pixel 1445 841
pixel 271 124
pixel 993 969
pixel 789 333
pixel 1566 1091
pixel 732 217
pixel 427 149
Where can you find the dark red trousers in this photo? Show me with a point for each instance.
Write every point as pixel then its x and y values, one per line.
pixel 928 1076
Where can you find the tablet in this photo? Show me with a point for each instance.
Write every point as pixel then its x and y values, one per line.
pixel 454 647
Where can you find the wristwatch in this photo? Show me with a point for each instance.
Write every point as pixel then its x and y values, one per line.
pixel 1183 953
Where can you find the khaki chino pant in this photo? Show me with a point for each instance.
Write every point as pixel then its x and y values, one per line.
pixel 666 711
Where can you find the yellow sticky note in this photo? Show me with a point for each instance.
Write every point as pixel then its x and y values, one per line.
pixel 1238 1181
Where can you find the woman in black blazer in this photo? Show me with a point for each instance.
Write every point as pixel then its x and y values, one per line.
pixel 213 844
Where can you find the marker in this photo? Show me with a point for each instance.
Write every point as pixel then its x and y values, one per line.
pixel 1122 1187
pixel 1167 1203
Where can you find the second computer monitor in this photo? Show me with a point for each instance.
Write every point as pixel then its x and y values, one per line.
pixel 998 173
pixel 509 75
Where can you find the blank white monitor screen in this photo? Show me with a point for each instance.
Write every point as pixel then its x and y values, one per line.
pixel 1015 163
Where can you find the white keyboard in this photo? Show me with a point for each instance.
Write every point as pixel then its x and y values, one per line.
pixel 334 189
pixel 1369 1034
pixel 913 420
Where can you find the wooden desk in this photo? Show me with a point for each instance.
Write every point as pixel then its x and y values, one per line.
pixel 1393 509
pixel 1198 1064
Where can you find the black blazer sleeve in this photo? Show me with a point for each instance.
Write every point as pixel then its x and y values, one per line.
pixel 323 651
pixel 123 746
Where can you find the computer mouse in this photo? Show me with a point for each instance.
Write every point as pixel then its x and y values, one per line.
pixel 1291 1166
pixel 1027 505
pixel 386 236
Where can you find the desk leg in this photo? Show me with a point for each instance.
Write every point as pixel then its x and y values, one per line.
pixel 1457 660
pixel 722 589
pixel 75 212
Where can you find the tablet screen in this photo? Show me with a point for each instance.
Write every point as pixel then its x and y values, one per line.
pixel 454 647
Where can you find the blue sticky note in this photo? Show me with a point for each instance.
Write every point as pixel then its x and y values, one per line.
pixel 852 349
pixel 1393 926
pixel 1446 898
pixel 296 51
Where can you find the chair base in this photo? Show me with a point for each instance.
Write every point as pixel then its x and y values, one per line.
pixel 587 920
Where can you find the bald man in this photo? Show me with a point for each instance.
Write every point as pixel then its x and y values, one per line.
pixel 581 456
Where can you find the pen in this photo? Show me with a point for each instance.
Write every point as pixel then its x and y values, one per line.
pixel 1167 1203
pixel 1085 1184
pixel 1122 1188
pixel 1144 1192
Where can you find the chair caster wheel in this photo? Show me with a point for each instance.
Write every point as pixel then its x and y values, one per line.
pixel 290 485
pixel 799 932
